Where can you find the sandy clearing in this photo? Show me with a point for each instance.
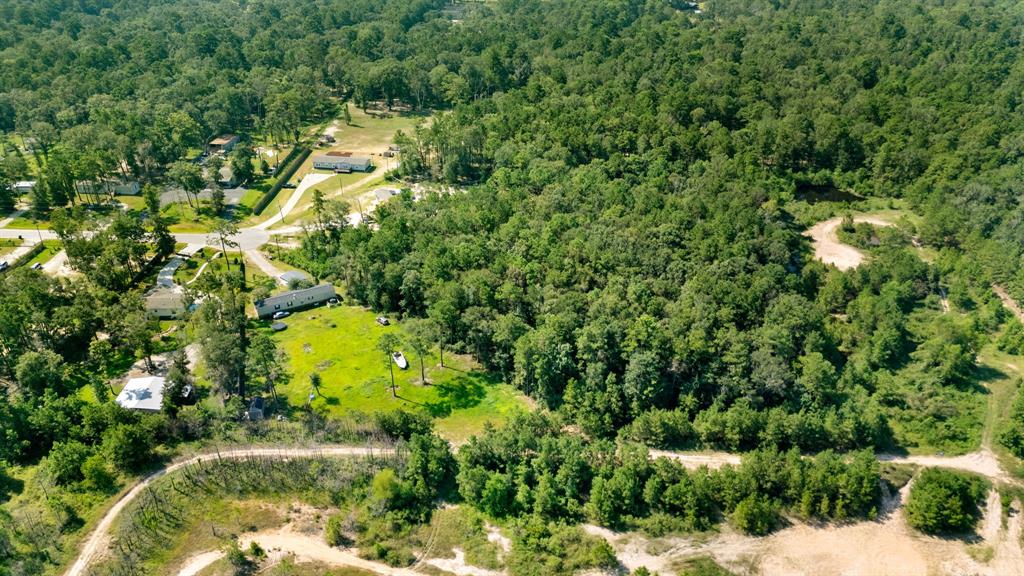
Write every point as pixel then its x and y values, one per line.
pixel 694 460
pixel 828 248
pixel 495 536
pixel 1009 556
pixel 982 462
pixel 880 548
pixel 459 567
pixel 312 549
pixel 58 265
pixel 96 543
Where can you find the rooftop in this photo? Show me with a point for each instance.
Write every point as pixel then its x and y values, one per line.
pixel 142 394
pixel 225 139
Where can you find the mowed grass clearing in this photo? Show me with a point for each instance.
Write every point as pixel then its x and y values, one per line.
pixel 341 344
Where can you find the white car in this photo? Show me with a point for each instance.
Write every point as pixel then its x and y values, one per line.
pixel 281 314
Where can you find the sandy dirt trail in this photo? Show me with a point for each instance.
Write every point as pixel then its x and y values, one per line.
pixel 1008 301
pixel 827 247
pixel 982 462
pixel 96 543
pixel 305 548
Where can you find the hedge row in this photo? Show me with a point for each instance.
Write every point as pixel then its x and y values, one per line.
pixel 26 257
pixel 291 163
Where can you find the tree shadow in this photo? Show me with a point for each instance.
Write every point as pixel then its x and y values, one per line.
pixel 459 393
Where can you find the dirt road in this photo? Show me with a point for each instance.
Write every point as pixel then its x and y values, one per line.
pixel 305 548
pixel 96 542
pixel 828 248
pixel 983 462
pixel 1008 301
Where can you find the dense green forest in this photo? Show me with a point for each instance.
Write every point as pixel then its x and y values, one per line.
pixel 626 184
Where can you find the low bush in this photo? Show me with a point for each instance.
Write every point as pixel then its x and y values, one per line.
pixel 944 501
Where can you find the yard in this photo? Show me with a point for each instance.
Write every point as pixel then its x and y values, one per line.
pixel 341 344
pixel 50 249
pixel 215 263
pixel 7 245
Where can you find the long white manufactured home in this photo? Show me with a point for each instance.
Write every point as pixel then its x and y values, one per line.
pixel 294 300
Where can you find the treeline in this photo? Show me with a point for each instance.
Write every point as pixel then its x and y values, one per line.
pixel 129 88
pixel 530 468
pixel 627 240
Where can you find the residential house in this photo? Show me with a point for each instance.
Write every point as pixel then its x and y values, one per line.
pixel 24 186
pixel 165 304
pixel 142 394
pixel 225 144
pixel 342 162
pixel 294 300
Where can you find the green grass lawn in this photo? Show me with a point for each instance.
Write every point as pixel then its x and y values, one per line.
pixel 1004 372
pixel 137 203
pixel 24 222
pixel 8 245
pixel 187 271
pixel 338 187
pixel 340 344
pixel 51 248
pixel 374 131
pixel 189 219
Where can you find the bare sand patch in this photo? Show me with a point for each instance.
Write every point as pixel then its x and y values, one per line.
pixel 827 247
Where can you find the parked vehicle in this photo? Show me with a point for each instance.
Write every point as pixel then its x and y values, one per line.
pixel 37 266
pixel 281 314
pixel 382 321
pixel 400 360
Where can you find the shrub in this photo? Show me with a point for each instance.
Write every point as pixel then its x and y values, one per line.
pixel 944 501
pixel 402 423
pixel 335 532
pixel 66 460
pixel 667 429
pixel 96 474
pixel 755 515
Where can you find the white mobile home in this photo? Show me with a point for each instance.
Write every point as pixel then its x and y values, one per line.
pixel 294 300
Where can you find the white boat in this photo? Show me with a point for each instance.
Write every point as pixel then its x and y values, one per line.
pixel 400 360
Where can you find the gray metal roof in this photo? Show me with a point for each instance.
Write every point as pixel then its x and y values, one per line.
pixel 287 297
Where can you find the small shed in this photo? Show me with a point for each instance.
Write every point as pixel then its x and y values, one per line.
pixel 24 186
pixel 225 143
pixel 292 276
pixel 142 394
pixel 255 408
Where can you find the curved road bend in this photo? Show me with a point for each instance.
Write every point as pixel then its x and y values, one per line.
pixel 96 542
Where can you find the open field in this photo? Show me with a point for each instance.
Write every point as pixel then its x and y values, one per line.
pixel 340 344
